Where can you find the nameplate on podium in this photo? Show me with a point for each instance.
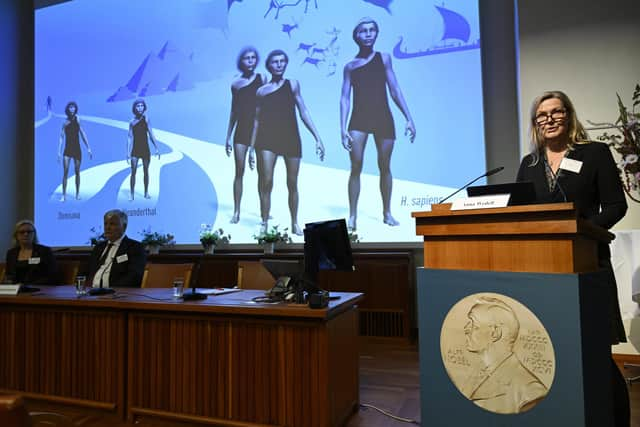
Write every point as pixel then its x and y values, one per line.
pixel 9 289
pixel 481 202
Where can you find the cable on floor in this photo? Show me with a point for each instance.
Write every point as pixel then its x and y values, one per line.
pixel 389 414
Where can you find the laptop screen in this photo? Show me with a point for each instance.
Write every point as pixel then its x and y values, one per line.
pixel 522 193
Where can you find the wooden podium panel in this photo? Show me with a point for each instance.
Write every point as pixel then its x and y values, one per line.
pixel 579 395
pixel 536 261
pixel 547 238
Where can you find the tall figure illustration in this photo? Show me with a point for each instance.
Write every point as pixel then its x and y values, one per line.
pixel 369 74
pixel 138 145
pixel 242 116
pixel 70 139
pixel 275 133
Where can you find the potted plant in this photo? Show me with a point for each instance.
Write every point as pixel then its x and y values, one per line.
pixel 211 238
pixel 353 237
pixel 153 240
pixel 96 236
pixel 626 143
pixel 269 238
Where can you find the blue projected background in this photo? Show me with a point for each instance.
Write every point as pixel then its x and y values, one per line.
pixel 180 57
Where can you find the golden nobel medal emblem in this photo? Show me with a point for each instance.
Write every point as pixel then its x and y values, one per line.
pixel 497 353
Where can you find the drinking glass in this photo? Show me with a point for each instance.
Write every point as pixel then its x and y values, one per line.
pixel 178 287
pixel 81 282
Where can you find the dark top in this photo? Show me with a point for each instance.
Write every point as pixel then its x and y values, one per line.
pixel 72 139
pixel 278 126
pixel 43 273
pixel 123 274
pixel 140 141
pixel 598 195
pixel 596 190
pixel 371 113
pixel 244 107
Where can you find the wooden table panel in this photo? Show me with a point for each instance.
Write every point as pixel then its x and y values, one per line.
pixel 172 373
pixel 232 369
pixel 63 354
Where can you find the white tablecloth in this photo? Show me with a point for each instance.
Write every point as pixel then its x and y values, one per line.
pixel 625 257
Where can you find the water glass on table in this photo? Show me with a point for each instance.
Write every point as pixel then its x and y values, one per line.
pixel 178 287
pixel 81 283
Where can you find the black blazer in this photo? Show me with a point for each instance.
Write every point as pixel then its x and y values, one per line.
pixel 43 273
pixel 123 274
pixel 596 190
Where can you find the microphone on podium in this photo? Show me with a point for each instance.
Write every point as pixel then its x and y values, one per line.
pixel 488 173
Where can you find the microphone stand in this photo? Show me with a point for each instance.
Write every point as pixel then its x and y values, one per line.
pixel 489 173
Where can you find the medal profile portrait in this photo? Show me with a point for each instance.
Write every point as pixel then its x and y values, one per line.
pixel 497 353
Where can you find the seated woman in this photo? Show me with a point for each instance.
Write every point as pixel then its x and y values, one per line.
pixel 27 261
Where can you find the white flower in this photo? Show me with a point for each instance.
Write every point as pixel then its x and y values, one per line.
pixel 630 159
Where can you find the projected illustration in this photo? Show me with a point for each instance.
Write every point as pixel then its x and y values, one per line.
pixel 369 75
pixel 455 37
pixel 70 140
pixel 159 119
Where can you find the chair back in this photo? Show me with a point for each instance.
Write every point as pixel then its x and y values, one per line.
pixel 13 413
pixel 49 419
pixel 161 275
pixel 67 271
pixel 253 275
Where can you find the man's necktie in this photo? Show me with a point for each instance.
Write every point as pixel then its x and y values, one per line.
pixel 103 258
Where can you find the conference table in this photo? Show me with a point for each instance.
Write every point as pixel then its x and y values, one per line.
pixel 226 360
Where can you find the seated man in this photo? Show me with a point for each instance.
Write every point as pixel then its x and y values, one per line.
pixel 119 261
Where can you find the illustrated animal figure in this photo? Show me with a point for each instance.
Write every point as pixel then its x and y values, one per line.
pixel 287 28
pixel 306 6
pixel 305 47
pixel 322 51
pixel 312 61
pixel 278 5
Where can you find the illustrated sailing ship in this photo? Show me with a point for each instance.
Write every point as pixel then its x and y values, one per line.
pixel 455 37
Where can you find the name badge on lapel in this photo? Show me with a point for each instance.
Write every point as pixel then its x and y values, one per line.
pixel 122 258
pixel 34 260
pixel 571 165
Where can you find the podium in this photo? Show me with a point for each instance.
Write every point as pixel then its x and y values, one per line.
pixel 536 264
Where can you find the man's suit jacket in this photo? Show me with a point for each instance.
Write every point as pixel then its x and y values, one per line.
pixel 43 273
pixel 127 273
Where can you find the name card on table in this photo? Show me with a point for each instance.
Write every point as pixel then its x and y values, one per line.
pixel 9 289
pixel 481 202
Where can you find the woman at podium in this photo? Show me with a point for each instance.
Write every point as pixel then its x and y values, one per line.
pixel 27 261
pixel 565 166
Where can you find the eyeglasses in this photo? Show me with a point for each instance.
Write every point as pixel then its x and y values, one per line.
pixel 555 115
pixel 25 231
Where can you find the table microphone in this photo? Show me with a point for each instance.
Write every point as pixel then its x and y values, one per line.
pixel 193 295
pixel 488 173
